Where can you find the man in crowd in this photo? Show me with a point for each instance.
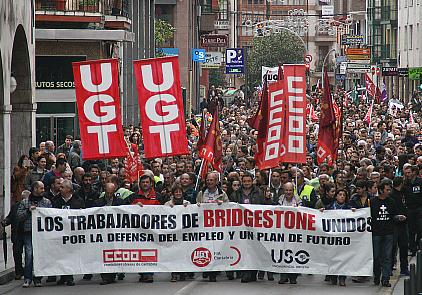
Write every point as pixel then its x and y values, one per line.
pixel 66 146
pixel 24 215
pixel 58 171
pixel 37 173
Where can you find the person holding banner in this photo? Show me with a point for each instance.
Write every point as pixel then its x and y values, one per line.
pixel 306 193
pixel 109 199
pixel 177 199
pixel 24 215
pixel 340 203
pixel 211 193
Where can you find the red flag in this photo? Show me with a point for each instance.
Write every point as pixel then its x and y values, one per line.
pixel 212 150
pixel 201 139
pixel 326 135
pixel 161 107
pixel 294 135
pixel 254 121
pixel 98 100
pixel 269 132
pixel 311 112
pixel 411 119
pixel 337 112
pixel 370 86
pixel 368 116
pixel 282 129
pixel 133 164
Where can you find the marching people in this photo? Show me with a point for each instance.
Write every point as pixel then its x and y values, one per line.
pixel 368 155
pixel 24 214
pixel 177 199
pixel 383 212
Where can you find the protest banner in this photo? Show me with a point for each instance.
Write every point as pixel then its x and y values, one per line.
pixel 207 238
pixel 98 101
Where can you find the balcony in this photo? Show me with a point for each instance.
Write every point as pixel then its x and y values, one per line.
pixel 84 11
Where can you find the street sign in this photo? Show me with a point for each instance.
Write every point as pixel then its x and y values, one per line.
pixel 358 53
pixel 343 67
pixel 389 71
pixel 214 40
pixel 234 61
pixel 352 39
pixel 327 11
pixel 221 24
pixel 358 68
pixel 198 55
pixel 403 72
pixel 340 77
pixel 213 60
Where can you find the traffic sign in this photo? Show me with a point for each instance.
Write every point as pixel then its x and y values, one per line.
pixel 352 39
pixel 308 58
pixel 234 61
pixel 212 60
pixel 198 55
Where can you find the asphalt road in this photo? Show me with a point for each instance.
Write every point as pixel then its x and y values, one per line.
pixel 307 284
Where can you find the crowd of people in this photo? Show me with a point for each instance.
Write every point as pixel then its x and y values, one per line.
pixel 379 166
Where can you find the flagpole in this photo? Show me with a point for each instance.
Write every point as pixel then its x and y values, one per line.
pixel 199 176
pixel 269 179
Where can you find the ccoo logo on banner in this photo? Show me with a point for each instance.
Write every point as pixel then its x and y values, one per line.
pixel 207 238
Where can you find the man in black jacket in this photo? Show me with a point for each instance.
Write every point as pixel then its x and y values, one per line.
pixel 383 212
pixel 87 194
pixel 17 235
pixel 413 195
pixel 67 200
pixel 109 199
pixel 400 226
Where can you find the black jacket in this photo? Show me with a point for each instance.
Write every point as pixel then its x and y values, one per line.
pixel 17 226
pixel 73 203
pixel 400 202
pixel 88 198
pixel 383 213
pixel 101 202
pixel 413 193
pixel 254 197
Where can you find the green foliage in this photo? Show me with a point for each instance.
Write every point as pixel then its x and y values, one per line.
pixel 164 31
pixel 270 51
pixel 217 78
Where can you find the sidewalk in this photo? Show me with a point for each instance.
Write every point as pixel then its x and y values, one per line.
pixel 399 286
pixel 6 271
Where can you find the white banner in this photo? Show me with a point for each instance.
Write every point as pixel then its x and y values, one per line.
pixel 207 238
pixel 272 75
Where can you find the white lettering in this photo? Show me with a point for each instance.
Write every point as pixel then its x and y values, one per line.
pixel 271 151
pixel 168 78
pixel 164 132
pixel 290 87
pixel 299 123
pixel 86 78
pixel 295 144
pixel 102 131
pixel 172 110
pixel 110 111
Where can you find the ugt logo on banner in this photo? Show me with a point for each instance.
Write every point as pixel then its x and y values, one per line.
pixel 98 100
pixel 161 106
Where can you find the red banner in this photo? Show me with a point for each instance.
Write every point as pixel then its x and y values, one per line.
pixel 294 136
pixel 282 128
pixel 98 101
pixel 161 107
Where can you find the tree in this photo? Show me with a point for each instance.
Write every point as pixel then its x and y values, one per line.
pixel 164 32
pixel 270 51
pixel 216 77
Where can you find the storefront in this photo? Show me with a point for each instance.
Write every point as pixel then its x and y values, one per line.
pixel 56 114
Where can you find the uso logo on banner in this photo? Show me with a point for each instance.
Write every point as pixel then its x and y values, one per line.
pixel 161 106
pixel 98 100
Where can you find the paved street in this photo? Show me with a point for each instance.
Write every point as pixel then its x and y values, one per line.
pixel 306 285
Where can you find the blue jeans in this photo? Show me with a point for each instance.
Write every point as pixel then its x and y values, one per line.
pixel 29 264
pixel 383 247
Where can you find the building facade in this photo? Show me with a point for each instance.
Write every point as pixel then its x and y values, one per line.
pixel 17 102
pixel 410 46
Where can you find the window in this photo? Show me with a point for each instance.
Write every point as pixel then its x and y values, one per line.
pixel 410 37
pixel 405 38
pixel 417 34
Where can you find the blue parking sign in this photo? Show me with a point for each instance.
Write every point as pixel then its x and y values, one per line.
pixel 198 55
pixel 235 61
